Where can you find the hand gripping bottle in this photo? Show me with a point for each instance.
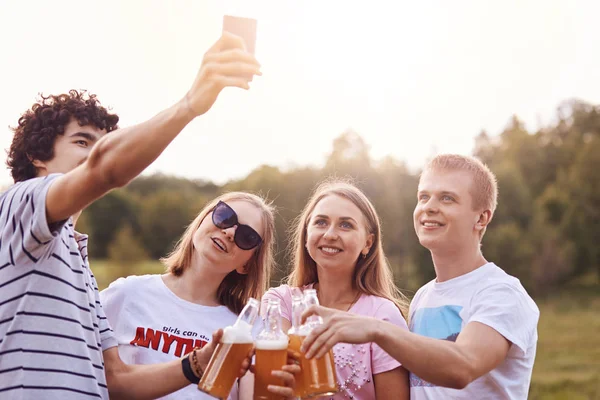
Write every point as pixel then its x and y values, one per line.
pixel 320 376
pixel 235 346
pixel 297 333
pixel 271 352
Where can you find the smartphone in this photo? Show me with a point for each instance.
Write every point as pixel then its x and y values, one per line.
pixel 243 27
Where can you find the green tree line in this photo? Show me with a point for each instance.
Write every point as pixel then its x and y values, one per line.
pixel 545 230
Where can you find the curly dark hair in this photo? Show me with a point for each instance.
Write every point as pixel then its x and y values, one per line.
pixel 38 127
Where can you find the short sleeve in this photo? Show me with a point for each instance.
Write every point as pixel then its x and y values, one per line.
pixel 25 220
pixel 112 300
pixel 282 293
pixel 508 310
pixel 380 360
pixel 414 303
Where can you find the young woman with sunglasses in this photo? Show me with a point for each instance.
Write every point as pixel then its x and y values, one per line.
pixel 223 258
pixel 337 250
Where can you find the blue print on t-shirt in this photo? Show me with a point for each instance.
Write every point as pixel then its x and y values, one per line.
pixel 438 323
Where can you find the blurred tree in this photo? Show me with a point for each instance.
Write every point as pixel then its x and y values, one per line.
pixel 581 221
pixel 103 218
pixel 515 200
pixel 553 259
pixel 510 247
pixel 394 199
pixel 544 231
pixel 164 217
pixel 126 248
pixel 147 185
pixel 350 156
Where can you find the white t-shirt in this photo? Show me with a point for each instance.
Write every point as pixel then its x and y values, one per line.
pixel 492 297
pixel 152 325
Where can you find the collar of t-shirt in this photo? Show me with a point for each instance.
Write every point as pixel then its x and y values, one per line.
pixel 157 282
pixel 465 280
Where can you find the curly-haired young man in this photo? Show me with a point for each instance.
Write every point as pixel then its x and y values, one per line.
pixel 55 342
pixel 50 137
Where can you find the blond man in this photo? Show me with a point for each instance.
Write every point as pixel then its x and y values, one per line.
pixel 473 328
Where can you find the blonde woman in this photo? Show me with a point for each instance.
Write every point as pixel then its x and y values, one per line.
pixel 337 250
pixel 224 257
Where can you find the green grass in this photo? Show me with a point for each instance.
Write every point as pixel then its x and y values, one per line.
pixel 568 355
pixel 567 363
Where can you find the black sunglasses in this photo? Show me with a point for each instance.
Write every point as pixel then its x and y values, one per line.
pixel 224 217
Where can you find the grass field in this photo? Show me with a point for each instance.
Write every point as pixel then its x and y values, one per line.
pixel 568 356
pixel 567 364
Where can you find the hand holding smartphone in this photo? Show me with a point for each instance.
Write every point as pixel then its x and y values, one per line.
pixel 243 27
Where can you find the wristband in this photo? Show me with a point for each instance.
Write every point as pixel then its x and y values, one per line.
pixel 187 370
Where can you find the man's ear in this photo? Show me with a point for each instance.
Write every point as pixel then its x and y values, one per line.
pixel 484 219
pixel 36 163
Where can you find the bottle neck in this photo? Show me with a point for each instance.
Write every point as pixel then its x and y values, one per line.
pixel 248 314
pixel 273 319
pixel 312 300
pixel 297 309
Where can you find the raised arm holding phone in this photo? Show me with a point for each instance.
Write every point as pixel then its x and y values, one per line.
pixel 66 153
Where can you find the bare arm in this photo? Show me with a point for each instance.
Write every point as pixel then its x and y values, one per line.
pixel 392 385
pixel 113 162
pixel 121 155
pixel 285 325
pixel 141 382
pixel 477 350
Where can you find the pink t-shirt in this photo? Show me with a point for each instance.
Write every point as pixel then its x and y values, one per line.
pixel 355 364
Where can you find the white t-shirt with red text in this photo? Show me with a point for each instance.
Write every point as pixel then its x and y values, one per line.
pixel 152 325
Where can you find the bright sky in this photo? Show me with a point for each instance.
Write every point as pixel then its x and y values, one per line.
pixel 412 78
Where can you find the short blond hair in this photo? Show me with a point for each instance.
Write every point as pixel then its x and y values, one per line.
pixel 484 189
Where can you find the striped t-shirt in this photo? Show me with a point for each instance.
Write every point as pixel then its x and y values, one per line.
pixel 52 326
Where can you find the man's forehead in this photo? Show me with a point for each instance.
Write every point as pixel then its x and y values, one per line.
pixel 445 180
pixel 74 126
pixel 85 133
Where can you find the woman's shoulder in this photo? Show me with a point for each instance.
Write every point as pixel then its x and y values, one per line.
pixel 280 290
pixel 277 292
pixel 376 306
pixel 142 280
pixel 132 283
pixel 284 291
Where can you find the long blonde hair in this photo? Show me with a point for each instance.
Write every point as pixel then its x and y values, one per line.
pixel 372 274
pixel 235 289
